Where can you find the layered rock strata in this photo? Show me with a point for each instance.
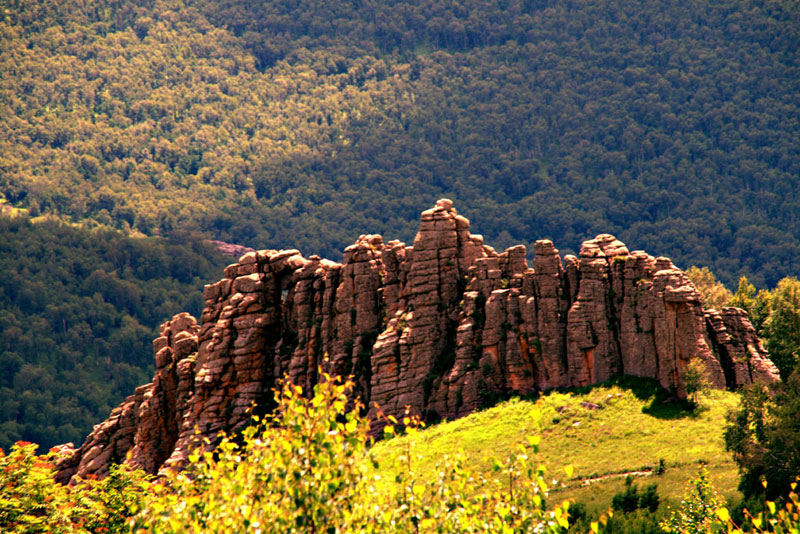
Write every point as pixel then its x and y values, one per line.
pixel 441 327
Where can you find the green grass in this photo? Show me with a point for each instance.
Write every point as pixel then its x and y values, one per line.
pixel 634 426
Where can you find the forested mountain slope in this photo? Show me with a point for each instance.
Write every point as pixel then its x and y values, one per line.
pixel 673 125
pixel 78 311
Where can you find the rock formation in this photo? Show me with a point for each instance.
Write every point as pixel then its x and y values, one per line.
pixel 230 249
pixel 442 327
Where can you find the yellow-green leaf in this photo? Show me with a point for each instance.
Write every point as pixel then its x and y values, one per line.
pixel 723 514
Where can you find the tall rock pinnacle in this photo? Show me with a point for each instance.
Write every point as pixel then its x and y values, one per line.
pixel 439 328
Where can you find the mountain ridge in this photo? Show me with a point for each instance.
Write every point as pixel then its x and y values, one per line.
pixel 438 328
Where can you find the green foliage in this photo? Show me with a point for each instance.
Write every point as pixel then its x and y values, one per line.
pixel 763 436
pixel 634 430
pixel 781 518
pixel 703 511
pixel 306 469
pixel 79 309
pixel 774 313
pixel 507 497
pixel 301 470
pixel 631 500
pixel 697 510
pixel 639 522
pixel 745 436
pixel 715 294
pixel 756 304
pixel 306 123
pixel 110 503
pixel 695 379
pixel 782 326
pixel 31 501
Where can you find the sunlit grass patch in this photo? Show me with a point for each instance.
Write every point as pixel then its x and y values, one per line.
pixel 604 432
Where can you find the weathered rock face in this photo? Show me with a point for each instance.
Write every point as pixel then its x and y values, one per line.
pixel 440 327
pixel 740 353
pixel 146 424
pixel 230 249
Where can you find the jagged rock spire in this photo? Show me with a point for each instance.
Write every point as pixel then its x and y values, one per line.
pixel 439 327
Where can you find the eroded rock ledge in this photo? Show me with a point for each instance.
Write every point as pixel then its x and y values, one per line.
pixel 440 326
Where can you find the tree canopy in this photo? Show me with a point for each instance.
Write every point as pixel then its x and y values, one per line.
pixel 303 123
pixel 79 309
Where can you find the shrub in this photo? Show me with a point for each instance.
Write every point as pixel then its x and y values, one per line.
pixel 774 518
pixel 631 500
pixel 31 501
pixel 696 513
pixel 695 379
pixel 305 469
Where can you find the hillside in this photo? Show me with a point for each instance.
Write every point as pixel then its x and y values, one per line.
pixel 605 432
pixel 672 125
pixel 79 308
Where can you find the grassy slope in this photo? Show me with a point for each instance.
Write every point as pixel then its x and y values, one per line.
pixel 631 431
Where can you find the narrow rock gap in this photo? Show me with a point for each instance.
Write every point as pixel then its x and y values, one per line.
pixel 725 360
pixel 612 317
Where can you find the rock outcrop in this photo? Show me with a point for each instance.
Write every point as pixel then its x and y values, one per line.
pixel 441 327
pixel 230 249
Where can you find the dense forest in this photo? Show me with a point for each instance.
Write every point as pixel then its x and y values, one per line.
pixel 672 125
pixel 79 309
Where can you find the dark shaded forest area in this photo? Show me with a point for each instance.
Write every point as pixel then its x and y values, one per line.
pixel 79 309
pixel 303 123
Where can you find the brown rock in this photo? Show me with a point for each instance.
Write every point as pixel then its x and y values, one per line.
pixel 440 327
pixel 741 355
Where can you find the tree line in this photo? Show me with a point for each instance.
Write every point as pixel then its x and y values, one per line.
pixel 302 123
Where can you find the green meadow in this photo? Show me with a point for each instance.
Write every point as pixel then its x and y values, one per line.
pixel 626 427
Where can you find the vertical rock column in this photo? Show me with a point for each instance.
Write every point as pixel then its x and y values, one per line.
pixel 236 361
pixel 680 328
pixel 738 348
pixel 359 311
pixel 593 350
pixel 163 405
pixel 546 306
pixel 146 424
pixel 308 311
pixel 418 345
pixel 637 311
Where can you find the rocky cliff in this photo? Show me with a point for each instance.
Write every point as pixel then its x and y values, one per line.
pixel 442 327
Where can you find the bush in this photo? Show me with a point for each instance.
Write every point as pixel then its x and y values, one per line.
pixel 31 501
pixel 762 435
pixel 631 500
pixel 696 513
pixel 305 469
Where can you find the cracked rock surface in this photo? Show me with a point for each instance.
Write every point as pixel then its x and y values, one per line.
pixel 442 327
